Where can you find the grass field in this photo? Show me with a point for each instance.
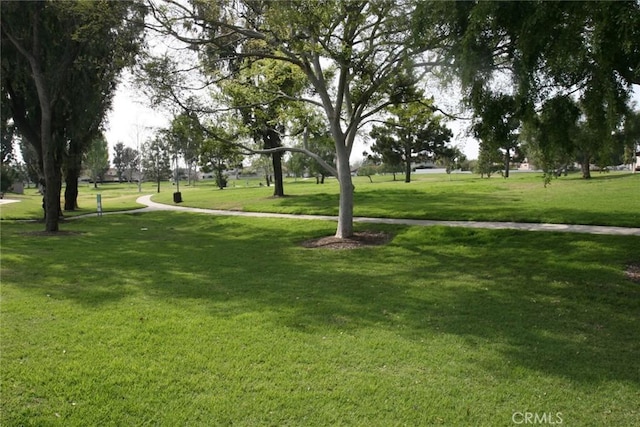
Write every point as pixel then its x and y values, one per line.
pixel 607 199
pixel 114 197
pixel 185 319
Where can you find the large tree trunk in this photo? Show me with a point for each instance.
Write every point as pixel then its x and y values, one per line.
pixel 53 182
pixel 49 148
pixel 50 166
pixel 345 213
pixel 407 164
pixel 278 182
pixel 507 162
pixel 585 166
pixel 407 170
pixel 73 169
pixel 271 139
pixel 71 190
pixel 50 163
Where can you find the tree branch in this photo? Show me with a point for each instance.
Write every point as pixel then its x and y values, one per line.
pixel 333 171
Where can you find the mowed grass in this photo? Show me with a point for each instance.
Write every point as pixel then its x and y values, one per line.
pixel 185 319
pixel 114 197
pixel 607 199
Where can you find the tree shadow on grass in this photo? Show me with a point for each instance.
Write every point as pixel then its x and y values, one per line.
pixel 450 205
pixel 553 303
pixel 565 311
pixel 604 176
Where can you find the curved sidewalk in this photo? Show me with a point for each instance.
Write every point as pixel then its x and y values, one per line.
pixel 567 228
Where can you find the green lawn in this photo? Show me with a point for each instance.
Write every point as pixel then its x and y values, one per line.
pixel 114 197
pixel 185 319
pixel 607 199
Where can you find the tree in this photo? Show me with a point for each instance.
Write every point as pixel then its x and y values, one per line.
pixel 156 159
pixel 489 161
pixel 126 160
pixel 587 144
pixel 96 159
pixel 497 124
pixel 33 171
pixel 630 136
pixel 543 50
pixel 7 157
pixel 187 136
pixel 451 158
pixel 317 139
pixel 217 155
pixel 386 157
pixel 7 178
pixel 132 160
pixel 371 165
pixel 262 91
pixel 53 51
pixel 298 163
pixel 7 133
pixel 119 162
pixel 32 93
pixel 351 53
pixel 552 134
pixel 262 164
pixel 192 135
pixel 413 134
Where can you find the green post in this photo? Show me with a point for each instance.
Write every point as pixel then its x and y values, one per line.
pixel 99 201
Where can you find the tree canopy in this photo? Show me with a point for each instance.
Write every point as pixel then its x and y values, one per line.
pixel 264 93
pixel 412 134
pixel 536 51
pixel 60 62
pixel 156 158
pixel 270 66
pixel 351 53
pixel 96 159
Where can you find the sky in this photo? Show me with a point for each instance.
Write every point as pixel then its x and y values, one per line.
pixel 131 121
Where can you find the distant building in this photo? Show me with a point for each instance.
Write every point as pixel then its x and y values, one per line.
pixel 428 164
pixel 525 166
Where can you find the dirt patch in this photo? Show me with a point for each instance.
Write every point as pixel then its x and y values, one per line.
pixel 633 272
pixel 358 240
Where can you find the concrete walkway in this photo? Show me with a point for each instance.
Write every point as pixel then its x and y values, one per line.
pixel 567 228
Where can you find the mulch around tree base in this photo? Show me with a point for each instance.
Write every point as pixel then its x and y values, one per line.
pixel 633 272
pixel 358 240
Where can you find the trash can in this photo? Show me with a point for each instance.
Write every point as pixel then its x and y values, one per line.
pixel 177 197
